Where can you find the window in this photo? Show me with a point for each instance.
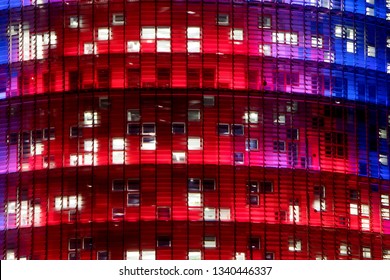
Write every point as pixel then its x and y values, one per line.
pixel 118 213
pixel 163 242
pixel 133 115
pixel 295 245
pixel 335 144
pixel 319 198
pixel 148 33
pixel 163 32
pixel 118 144
pixel 252 144
pixel 73 22
pixel 316 42
pixel 365 210
pixel 266 50
pixel 237 129
pixel 194 200
pixel 118 19
pixel 265 21
pixel 293 133
pixel 370 11
pixel 193 32
pixel 194 255
pixel 104 34
pixel 76 132
pixel 345 249
pixel 385 213
pixel 148 143
pixel 91 145
pixel 338 31
pixel 385 200
pixel 73 256
pixel 209 214
pixel 193 46
pixel 236 34
pixel 350 46
pixel 382 133
pixel 253 199
pixel 178 128
pixel 148 255
pixel 133 46
pixel 75 244
pixel 49 133
pixel 193 115
pixel 289 38
pixel 254 243
pixel 118 185
pixel 240 256
pixel 269 256
pixel 133 129
pixel 194 143
pixel 371 52
pixel 224 214
pixel 87 243
pixel 132 255
pixel 223 19
pixel 238 158
pixel 388 68
pixel 251 117
pixel 179 157
pixel 163 213
pixel 210 242
pixel 102 255
pixel 353 209
pixel 133 199
pixel 193 185
pixel 266 187
pixel 372 2
pixel 104 102
pixel 90 118
pixel 208 184
pixel 354 194
pixel 223 129
pixel 386 254
pixel 133 185
pixel 148 129
pixel 253 186
pixel 383 159
pixel 163 46
pixel 279 119
pixel 279 146
pixel 208 101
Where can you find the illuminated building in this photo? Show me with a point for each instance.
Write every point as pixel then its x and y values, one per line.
pixel 194 129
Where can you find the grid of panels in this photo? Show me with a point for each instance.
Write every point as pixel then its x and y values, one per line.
pixel 177 141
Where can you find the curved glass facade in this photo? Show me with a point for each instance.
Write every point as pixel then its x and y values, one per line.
pixel 194 129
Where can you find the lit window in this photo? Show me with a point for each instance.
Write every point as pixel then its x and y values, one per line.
pixel 371 52
pixel 90 118
pixel 118 157
pixel 240 256
pixel 223 19
pixel 194 143
pixel 338 31
pixel 11 209
pixel 237 34
pixel 372 2
pixel 76 160
pixel 210 242
pixel 319 198
pixel 388 42
pixel 266 50
pixel 383 159
pixel 194 255
pixel 67 202
pixel 10 255
pixel 285 38
pixel 382 133
pixel 193 32
pixel 265 22
pixel 90 159
pixel 370 11
pixel 385 199
pixel 350 33
pixel 316 42
pixel 148 33
pixel 388 68
pixel 345 249
pixel 118 19
pixel 353 208
pixel 279 119
pixel 118 213
pixel 252 144
pixel 238 158
pixel 328 56
pixel 91 145
pixel 223 129
pixel 133 115
pixel 148 255
pixel 133 46
pixel 385 213
pixel 193 46
pixel 365 224
pixel 133 199
pixel 104 34
pixel 118 144
pixel 295 245
pixel 178 157
pixel 132 255
pixel 237 129
pixel 74 22
pixel 178 128
pixel 209 214
pixel 148 143
pixel 90 48
pixel 194 200
pixel 163 32
pixel 350 46
pixel 251 117
pixel 224 214
pixel 294 213
pixel 163 46
pixel 365 210
pixel 149 129
pixel 386 254
pixel 193 115
pixel 387 16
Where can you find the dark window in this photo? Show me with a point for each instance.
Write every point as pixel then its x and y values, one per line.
pixel 178 128
pixel 253 199
pixel 336 144
pixel 238 157
pixel 163 241
pixel 269 256
pixel 133 185
pixel 293 133
pixel 75 244
pixel 148 128
pixel 74 80
pixel 353 194
pixel 252 144
pixel 118 185
pixel 76 131
pixel 133 129
pixel 266 187
pixel 118 213
pixel 318 122
pixel 254 243
pixel 133 199
pixel 104 102
pixel 238 129
pixel 208 184
pixel 223 129
pixel 208 101
pixel 13 138
pixel 102 255
pixel 193 184
pixel 49 133
pixel 253 186
pixel 279 146
pixel 73 256
pixel 103 78
pixel 88 243
pixel 163 213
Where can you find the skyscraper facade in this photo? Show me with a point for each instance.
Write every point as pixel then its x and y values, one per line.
pixel 225 129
